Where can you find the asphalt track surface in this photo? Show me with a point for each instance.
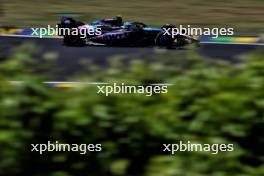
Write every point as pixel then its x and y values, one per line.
pixel 69 57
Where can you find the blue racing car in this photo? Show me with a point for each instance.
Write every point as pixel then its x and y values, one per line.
pixel 115 32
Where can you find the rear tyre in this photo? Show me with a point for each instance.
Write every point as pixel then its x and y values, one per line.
pixel 73 40
pixel 163 40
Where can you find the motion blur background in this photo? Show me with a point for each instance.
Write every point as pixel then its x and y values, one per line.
pixel 211 100
pixel 244 15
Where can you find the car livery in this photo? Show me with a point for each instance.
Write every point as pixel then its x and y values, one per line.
pixel 114 32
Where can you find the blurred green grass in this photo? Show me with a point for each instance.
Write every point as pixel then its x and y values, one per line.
pixel 244 15
pixel 210 101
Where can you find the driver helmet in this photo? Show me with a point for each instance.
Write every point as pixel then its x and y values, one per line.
pixel 119 20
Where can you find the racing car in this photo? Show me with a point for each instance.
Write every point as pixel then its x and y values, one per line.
pixel 115 32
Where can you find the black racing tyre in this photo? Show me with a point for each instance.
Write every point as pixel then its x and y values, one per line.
pixel 163 40
pixel 180 41
pixel 73 40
